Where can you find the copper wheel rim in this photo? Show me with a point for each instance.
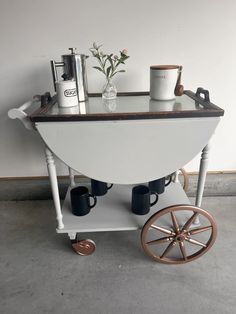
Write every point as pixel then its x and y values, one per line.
pixel 178 235
pixel 186 179
pixel 84 247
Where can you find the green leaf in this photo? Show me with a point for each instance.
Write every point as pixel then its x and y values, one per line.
pixel 99 69
pixel 117 72
pixel 108 71
pixel 105 61
pixel 111 61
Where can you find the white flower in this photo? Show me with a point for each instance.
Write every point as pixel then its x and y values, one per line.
pixel 124 51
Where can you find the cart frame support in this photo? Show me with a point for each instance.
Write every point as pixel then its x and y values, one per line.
pixel 54 186
pixel 202 178
pixel 202 174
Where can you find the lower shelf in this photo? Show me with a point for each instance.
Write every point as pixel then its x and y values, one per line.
pixel 113 210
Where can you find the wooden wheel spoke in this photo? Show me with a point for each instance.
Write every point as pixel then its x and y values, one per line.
pixel 199 230
pixel 164 230
pixel 190 221
pixel 174 221
pixel 183 250
pixel 168 249
pixel 159 241
pixel 196 242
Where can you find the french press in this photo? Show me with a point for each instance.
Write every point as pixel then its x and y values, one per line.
pixel 74 68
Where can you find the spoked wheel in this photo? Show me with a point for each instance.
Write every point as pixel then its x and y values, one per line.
pixel 170 237
pixel 84 247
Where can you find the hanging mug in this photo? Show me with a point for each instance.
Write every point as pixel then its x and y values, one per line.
pixel 141 199
pixel 99 188
pixel 81 200
pixel 160 184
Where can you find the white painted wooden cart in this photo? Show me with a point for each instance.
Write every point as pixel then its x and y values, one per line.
pixel 126 142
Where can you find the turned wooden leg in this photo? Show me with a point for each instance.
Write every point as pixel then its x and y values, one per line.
pixel 202 177
pixel 54 186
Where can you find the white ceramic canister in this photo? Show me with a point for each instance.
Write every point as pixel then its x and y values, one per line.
pixel 163 80
pixel 66 94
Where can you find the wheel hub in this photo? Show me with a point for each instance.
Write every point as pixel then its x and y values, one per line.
pixel 180 237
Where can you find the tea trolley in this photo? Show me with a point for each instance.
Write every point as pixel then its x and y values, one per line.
pixel 129 141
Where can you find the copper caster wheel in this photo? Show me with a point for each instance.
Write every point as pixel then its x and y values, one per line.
pixel 84 247
pixel 170 237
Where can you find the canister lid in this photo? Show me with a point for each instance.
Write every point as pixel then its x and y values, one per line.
pixel 164 67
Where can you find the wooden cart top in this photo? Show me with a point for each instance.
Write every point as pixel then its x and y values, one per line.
pixel 130 106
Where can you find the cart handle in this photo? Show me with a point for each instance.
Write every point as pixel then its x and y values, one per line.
pixel 201 91
pixel 19 113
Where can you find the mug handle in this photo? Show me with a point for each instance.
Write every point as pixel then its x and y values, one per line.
pixel 109 187
pixel 156 200
pixel 169 177
pixel 95 200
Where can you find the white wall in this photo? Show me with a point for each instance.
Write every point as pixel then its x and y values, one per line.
pixel 200 35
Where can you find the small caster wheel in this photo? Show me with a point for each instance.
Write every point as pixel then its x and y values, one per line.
pixel 170 237
pixel 84 247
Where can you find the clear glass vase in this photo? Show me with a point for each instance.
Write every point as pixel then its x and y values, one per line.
pixel 109 104
pixel 109 91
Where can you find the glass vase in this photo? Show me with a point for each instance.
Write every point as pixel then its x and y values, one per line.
pixel 109 91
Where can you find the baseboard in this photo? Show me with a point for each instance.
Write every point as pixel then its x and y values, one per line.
pixel 38 188
pixel 217 184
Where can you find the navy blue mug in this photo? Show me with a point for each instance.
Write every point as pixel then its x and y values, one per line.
pixel 160 184
pixel 99 188
pixel 141 199
pixel 80 200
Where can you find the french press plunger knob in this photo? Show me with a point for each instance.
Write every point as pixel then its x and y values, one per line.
pixel 73 50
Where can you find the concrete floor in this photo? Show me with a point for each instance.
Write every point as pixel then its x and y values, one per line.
pixel 39 273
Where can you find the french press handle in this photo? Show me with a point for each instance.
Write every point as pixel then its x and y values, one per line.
pixel 54 66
